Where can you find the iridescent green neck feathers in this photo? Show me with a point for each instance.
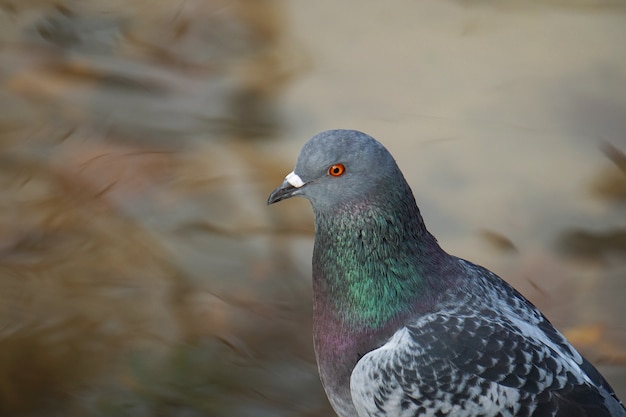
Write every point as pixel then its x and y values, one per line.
pixel 369 262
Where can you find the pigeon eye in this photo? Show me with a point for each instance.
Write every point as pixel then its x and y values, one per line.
pixel 337 170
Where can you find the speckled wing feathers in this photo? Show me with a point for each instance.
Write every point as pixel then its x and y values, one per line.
pixel 471 358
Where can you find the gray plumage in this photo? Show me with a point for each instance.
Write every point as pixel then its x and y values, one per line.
pixel 401 328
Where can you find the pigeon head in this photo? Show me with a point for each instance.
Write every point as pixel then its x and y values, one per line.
pixel 368 229
pixel 340 167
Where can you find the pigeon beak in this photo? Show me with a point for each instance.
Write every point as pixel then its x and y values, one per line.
pixel 282 192
pixel 287 189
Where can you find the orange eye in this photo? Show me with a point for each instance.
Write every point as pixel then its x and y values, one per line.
pixel 337 170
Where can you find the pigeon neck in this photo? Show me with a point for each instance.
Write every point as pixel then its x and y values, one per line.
pixel 371 262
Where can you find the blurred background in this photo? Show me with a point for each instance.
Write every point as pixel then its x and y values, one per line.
pixel 141 273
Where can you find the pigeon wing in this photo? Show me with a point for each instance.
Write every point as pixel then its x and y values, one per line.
pixel 475 364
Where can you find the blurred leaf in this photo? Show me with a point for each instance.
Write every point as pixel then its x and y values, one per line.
pixel 498 241
pixel 610 183
pixel 592 245
pixel 591 340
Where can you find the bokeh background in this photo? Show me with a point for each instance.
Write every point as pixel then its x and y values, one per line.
pixel 141 273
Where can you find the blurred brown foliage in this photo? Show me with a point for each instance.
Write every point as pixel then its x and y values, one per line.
pixel 135 275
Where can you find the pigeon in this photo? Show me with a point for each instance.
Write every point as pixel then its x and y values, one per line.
pixel 400 327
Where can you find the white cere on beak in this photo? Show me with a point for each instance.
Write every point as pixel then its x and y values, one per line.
pixel 293 179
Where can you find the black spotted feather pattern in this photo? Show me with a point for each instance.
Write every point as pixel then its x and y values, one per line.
pixel 485 352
